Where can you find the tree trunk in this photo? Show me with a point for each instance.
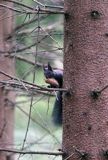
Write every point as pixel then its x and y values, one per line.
pixel 85 113
pixel 6 65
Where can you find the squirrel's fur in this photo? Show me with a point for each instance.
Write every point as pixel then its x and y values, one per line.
pixel 54 77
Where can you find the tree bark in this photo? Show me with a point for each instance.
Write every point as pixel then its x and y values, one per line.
pixel 85 111
pixel 6 65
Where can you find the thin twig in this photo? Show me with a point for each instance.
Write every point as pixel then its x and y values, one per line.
pixel 25 48
pixel 32 97
pixel 24 25
pixel 36 122
pixel 31 152
pixel 32 84
pixel 103 89
pixel 21 4
pixel 13 9
pixel 34 11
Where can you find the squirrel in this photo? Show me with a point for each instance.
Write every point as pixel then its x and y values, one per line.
pixel 54 77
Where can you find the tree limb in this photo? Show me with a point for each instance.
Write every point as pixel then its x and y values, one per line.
pixel 15 151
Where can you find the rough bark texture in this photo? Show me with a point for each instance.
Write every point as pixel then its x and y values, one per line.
pixel 85 70
pixel 6 65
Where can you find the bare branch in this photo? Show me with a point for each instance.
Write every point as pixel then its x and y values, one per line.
pixel 13 9
pixel 34 10
pixel 25 48
pixel 25 24
pixel 21 4
pixel 26 6
pixel 43 126
pixel 15 151
pixel 32 85
pixel 28 61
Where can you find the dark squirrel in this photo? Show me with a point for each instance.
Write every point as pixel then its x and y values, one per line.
pixel 54 77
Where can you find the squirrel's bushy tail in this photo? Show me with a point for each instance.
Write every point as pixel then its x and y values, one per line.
pixel 57 110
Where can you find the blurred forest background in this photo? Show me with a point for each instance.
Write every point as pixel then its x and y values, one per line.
pixel 37 40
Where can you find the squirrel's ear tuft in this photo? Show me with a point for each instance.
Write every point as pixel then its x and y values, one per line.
pixel 49 67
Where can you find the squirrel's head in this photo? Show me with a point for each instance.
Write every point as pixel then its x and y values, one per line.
pixel 48 71
pixel 50 76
